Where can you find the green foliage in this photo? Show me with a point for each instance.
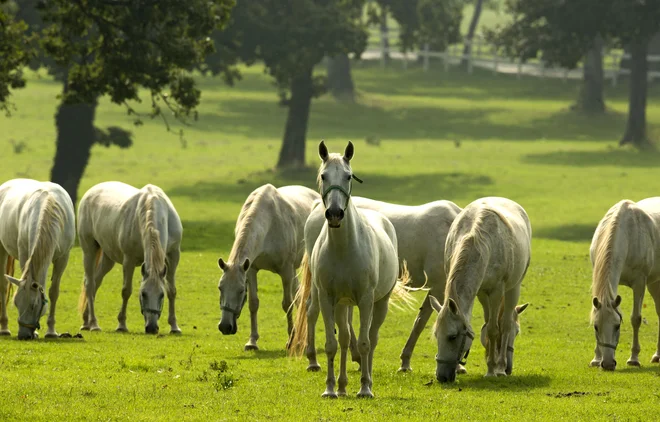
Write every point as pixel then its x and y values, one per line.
pixel 437 22
pixel 291 37
pixel 562 31
pixel 113 47
pixel 15 53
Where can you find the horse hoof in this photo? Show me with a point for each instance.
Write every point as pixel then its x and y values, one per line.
pixel 84 328
pixel 594 363
pixel 633 363
pixel 500 374
pixel 341 393
pixel 315 367
pixel 329 395
pixel 461 369
pixel 405 369
pixel 5 333
pixel 122 329
pixel 366 394
pixel 52 335
pixel 655 359
pixel 175 331
pixel 97 328
pixel 249 347
pixel 489 374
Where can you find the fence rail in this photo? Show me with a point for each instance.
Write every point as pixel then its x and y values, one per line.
pixel 484 55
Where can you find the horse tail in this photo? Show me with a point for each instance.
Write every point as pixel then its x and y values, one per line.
pixel 400 292
pixel 82 299
pixel 298 339
pixel 9 270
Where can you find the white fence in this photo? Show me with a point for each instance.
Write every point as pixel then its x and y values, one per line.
pixel 484 55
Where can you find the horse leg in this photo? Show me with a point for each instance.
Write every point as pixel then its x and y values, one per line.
pixel 128 268
pixel 4 294
pixel 102 269
pixel 511 298
pixel 493 331
pixel 172 265
pixel 253 303
pixel 425 312
pixel 59 265
pixel 89 265
pixel 341 315
pixel 312 316
pixel 654 290
pixel 352 345
pixel 379 314
pixel 289 283
pixel 366 307
pixel 327 309
pixel 636 321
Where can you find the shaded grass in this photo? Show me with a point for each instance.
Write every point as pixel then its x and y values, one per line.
pixel 566 182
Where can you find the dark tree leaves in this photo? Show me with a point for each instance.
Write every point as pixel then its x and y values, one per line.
pixel 15 53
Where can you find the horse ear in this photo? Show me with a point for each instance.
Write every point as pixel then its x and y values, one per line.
pixel 323 151
pixel 453 307
pixel 435 303
pixel 246 264
pixel 222 264
pixel 164 272
pixel 13 280
pixel 521 308
pixel 143 270
pixel 596 303
pixel 617 301
pixel 348 154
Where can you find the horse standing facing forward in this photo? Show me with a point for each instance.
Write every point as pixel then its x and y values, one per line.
pixel 487 255
pixel 37 226
pixel 625 250
pixel 352 262
pixel 118 223
pixel 269 236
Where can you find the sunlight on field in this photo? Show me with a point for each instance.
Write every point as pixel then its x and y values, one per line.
pixel 443 136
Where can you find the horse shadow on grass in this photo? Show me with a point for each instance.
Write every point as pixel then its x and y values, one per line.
pixel 206 235
pixel 513 383
pixel 567 232
pixel 263 354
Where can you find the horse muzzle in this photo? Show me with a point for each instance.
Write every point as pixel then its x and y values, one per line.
pixel 608 365
pixel 151 329
pixel 445 373
pixel 228 324
pixel 334 215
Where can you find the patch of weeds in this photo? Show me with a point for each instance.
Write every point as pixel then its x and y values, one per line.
pixel 219 374
pixel 88 393
pixel 188 362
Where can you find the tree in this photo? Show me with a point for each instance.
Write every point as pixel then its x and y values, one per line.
pixel 340 80
pixel 591 98
pixel 562 32
pixel 291 37
pixel 472 29
pixel 115 47
pixel 15 53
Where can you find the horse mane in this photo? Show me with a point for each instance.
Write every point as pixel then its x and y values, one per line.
pixel 246 219
pixel 600 286
pixel 153 250
pixel 49 225
pixel 476 241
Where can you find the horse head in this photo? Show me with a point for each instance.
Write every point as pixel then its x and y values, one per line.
pixel 31 302
pixel 454 336
pixel 233 294
pixel 152 295
pixel 607 326
pixel 335 182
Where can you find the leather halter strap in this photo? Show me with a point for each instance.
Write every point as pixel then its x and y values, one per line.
pixel 608 345
pixel 461 358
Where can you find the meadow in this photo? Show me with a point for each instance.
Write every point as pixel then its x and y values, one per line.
pixel 442 136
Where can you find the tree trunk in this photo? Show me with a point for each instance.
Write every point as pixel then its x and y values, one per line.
pixel 471 30
pixel 75 137
pixel 292 154
pixel 591 93
pixel 384 34
pixel 636 126
pixel 340 80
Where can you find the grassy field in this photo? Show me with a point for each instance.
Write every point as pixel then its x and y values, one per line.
pixel 443 136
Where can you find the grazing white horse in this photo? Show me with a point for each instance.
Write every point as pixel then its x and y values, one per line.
pixel 269 236
pixel 625 250
pixel 118 223
pixel 487 255
pixel 421 233
pixel 352 262
pixel 37 227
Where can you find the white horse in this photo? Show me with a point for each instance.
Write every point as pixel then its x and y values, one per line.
pixel 37 227
pixel 269 236
pixel 625 250
pixel 487 255
pixel 353 262
pixel 421 232
pixel 118 223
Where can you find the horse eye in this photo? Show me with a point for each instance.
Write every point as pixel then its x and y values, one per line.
pixel 596 328
pixel 452 337
pixel 617 327
pixel 349 177
pixel 323 177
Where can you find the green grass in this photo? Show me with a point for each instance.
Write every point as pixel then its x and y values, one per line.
pixel 517 140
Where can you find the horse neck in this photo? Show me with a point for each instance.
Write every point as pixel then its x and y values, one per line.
pixel 464 283
pixel 250 237
pixel 347 233
pixel 43 236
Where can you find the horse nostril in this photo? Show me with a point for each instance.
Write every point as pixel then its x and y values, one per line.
pixel 341 214
pixel 327 214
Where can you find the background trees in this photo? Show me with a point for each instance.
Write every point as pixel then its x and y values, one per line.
pixel 14 53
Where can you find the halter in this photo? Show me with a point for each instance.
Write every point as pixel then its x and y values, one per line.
pixel 35 325
pixel 609 346
pixel 341 189
pixel 149 310
pixel 232 310
pixel 458 359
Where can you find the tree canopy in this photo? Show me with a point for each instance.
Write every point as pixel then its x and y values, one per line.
pixel 291 37
pixel 15 53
